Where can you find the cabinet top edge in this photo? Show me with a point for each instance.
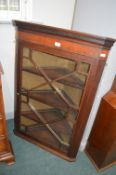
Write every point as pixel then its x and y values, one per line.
pixel 34 27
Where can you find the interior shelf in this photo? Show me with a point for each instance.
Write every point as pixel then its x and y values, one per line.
pixel 56 72
pixel 49 97
pixel 50 115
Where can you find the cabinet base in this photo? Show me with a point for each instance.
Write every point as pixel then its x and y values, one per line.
pixel 8 157
pixel 98 169
pixel 51 150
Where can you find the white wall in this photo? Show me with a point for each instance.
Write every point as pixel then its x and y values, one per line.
pixel 7 52
pixel 50 12
pixel 98 17
pixel 53 12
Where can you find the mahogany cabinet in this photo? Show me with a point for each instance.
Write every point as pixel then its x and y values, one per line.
pixel 6 153
pixel 56 78
pixel 101 146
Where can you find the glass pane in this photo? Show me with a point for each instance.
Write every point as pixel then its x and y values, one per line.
pixel 52 89
pixel 3 5
pixel 14 5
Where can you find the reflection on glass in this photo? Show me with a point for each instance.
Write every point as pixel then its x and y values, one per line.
pixel 52 89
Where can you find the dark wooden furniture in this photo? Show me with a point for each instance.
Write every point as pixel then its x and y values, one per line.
pixel 6 153
pixel 57 74
pixel 101 146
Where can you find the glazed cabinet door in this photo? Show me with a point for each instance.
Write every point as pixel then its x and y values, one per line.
pixel 50 90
